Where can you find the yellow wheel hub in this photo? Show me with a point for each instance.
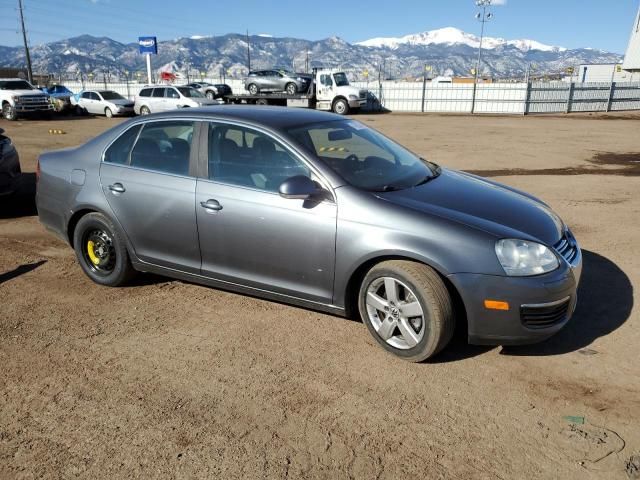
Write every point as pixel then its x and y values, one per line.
pixel 92 254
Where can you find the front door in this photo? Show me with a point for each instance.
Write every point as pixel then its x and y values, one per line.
pixel 248 233
pixel 149 187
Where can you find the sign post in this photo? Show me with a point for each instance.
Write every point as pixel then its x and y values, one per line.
pixel 148 46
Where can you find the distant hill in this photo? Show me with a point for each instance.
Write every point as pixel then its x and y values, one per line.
pixel 449 51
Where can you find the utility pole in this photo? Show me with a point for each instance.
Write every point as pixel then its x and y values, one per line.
pixel 26 45
pixel 483 17
pixel 248 52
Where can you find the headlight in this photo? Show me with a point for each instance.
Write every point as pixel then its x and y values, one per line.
pixel 15 98
pixel 521 258
pixel 353 97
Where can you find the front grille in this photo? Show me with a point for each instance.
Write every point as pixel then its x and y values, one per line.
pixel 567 247
pixel 545 314
pixel 33 100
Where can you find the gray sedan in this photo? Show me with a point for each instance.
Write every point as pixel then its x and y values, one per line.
pixel 316 210
pixel 277 81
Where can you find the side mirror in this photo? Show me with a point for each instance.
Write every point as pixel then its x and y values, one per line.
pixel 298 187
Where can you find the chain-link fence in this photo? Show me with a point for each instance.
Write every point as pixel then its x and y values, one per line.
pixel 488 98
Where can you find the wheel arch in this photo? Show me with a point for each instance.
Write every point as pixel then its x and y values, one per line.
pixel 352 286
pixel 87 209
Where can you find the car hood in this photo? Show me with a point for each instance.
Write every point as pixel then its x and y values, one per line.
pixel 495 208
pixel 205 101
pixel 28 92
pixel 123 102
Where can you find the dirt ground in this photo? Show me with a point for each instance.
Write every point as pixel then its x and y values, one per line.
pixel 165 379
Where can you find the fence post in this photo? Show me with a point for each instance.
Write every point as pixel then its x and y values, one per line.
pixel 569 98
pixel 612 91
pixel 527 98
pixel 424 87
pixel 126 75
pixel 473 97
pixel 380 86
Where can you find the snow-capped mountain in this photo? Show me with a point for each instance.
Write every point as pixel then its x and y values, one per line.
pixel 448 51
pixel 455 36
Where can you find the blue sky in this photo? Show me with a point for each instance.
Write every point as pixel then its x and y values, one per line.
pixel 567 23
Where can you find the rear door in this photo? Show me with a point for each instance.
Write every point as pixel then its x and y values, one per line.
pixel 157 100
pixel 88 101
pixel 148 180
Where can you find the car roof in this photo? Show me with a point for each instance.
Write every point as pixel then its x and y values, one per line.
pixel 277 118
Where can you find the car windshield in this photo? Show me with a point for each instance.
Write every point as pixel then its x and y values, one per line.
pixel 15 85
pixel 111 95
pixel 341 79
pixel 190 92
pixel 363 157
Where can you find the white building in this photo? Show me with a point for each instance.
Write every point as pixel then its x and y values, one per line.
pixel 603 72
pixel 632 57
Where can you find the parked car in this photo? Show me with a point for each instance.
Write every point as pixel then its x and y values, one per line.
pixel 102 102
pixel 276 81
pixel 60 97
pixel 310 208
pixel 211 90
pixel 161 98
pixel 10 172
pixel 19 98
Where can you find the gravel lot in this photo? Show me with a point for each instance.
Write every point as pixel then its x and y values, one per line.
pixel 165 379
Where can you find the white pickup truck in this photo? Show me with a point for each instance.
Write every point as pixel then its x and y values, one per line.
pixel 18 98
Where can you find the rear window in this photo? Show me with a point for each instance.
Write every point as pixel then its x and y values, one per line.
pixel 145 92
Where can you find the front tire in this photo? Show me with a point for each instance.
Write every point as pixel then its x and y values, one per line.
pixel 407 308
pixel 108 113
pixel 210 95
pixel 341 107
pixel 9 112
pixel 101 251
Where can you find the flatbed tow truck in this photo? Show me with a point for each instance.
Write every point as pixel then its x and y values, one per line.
pixel 329 90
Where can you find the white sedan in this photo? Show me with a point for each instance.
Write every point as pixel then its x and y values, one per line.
pixel 102 102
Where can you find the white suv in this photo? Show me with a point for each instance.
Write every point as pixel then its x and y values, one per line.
pixel 161 98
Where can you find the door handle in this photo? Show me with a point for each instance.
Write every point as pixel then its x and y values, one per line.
pixel 117 188
pixel 211 205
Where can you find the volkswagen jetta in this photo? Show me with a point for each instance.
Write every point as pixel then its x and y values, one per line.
pixel 313 209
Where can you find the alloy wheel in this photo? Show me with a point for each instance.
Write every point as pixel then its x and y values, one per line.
pixel 395 313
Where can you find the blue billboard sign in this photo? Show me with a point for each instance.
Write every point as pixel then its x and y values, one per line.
pixel 148 45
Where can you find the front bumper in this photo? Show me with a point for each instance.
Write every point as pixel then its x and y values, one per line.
pixel 357 103
pixel 32 108
pixel 507 327
pixel 124 111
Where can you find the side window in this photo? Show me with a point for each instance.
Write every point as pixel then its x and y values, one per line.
pixel 158 92
pixel 118 152
pixel 248 158
pixel 326 80
pixel 86 95
pixel 145 92
pixel 164 147
pixel 172 93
